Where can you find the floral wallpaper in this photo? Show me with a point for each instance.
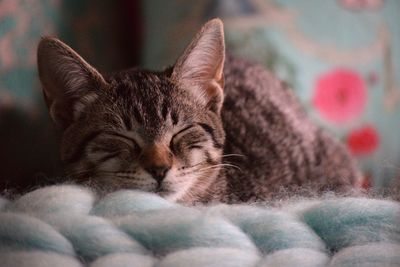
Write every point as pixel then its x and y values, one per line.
pixel 342 58
pixel 340 95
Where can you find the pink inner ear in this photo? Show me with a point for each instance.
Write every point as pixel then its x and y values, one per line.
pixel 66 80
pixel 203 59
pixel 215 96
pixel 200 68
pixel 220 79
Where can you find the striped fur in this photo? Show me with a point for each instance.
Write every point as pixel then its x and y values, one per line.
pixel 141 116
pixel 117 128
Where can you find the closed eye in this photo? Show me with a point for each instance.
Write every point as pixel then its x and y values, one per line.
pixel 126 139
pixel 101 154
pixel 183 130
pixel 108 145
pixel 195 143
pixel 108 156
pixel 195 147
pixel 179 133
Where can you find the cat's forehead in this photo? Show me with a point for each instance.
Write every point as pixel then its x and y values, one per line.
pixel 141 81
pixel 149 102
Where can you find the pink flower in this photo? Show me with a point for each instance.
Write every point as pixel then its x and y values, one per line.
pixel 363 141
pixel 361 4
pixel 340 95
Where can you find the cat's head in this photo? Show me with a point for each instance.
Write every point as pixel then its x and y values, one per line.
pixel 153 131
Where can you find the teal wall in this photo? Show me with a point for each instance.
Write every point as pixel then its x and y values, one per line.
pixel 344 50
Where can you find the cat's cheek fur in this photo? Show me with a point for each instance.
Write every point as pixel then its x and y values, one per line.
pixel 143 180
pixel 215 155
pixel 110 165
pixel 180 186
pixel 196 156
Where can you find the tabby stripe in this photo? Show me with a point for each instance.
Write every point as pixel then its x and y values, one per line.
pixel 209 160
pixel 164 110
pixel 210 131
pixel 127 123
pixel 174 117
pixel 107 157
pixel 197 142
pixel 307 161
pixel 137 115
pixel 122 136
pixel 78 154
pixel 320 148
pixel 181 131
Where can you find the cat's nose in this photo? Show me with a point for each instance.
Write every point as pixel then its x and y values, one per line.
pixel 158 172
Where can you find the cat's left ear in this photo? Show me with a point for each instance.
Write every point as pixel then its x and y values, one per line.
pixel 200 68
pixel 69 83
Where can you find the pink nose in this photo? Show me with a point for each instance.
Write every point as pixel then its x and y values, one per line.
pixel 158 172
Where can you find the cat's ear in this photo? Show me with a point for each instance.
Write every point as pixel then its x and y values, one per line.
pixel 200 68
pixel 69 83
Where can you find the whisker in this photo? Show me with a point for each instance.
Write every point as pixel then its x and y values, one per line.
pixel 223 165
pixel 232 155
pixel 126 172
pixel 136 178
pixel 192 166
pixel 198 168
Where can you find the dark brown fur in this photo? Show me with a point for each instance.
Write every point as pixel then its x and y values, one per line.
pixel 265 123
pixel 207 129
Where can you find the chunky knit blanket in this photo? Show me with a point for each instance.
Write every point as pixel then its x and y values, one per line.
pixel 69 226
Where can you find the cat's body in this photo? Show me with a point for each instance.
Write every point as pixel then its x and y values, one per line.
pixel 270 138
pixel 164 131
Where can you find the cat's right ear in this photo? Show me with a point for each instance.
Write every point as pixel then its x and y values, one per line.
pixel 69 83
pixel 200 68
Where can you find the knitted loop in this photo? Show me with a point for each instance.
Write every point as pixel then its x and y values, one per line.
pixel 23 232
pixel 65 226
pixel 270 229
pixel 126 202
pixel 37 258
pixel 351 221
pixel 166 231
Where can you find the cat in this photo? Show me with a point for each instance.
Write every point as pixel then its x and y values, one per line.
pixel 210 128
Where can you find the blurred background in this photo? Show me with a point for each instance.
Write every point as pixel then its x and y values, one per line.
pixel 342 58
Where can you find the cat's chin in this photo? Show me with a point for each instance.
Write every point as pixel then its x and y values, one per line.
pixel 107 184
pixel 162 191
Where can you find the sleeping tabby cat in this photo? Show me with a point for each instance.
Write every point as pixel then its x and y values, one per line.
pixel 209 128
